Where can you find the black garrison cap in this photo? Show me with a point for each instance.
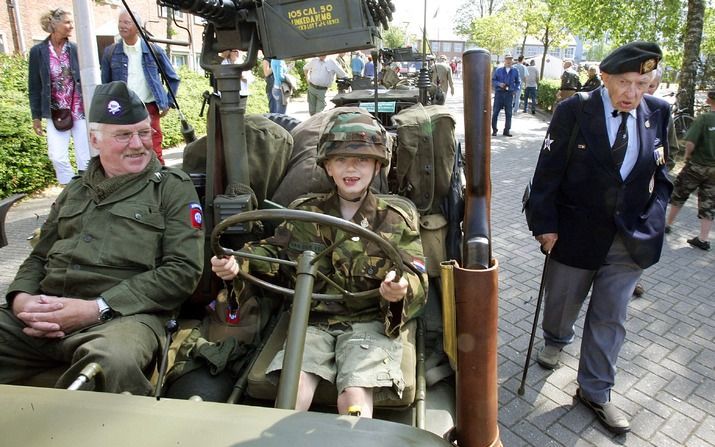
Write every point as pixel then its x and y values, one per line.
pixel 115 103
pixel 639 57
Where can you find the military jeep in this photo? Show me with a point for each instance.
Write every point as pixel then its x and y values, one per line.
pixel 453 380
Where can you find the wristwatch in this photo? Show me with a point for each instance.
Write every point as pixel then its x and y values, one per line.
pixel 105 312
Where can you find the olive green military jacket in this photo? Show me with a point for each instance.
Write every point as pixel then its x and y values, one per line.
pixel 355 265
pixel 140 247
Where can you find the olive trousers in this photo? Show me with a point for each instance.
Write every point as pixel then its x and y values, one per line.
pixel 124 347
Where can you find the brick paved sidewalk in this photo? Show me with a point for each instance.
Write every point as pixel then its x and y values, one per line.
pixel 666 379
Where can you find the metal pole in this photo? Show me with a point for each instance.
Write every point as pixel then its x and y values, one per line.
pixel 295 340
pixel 86 52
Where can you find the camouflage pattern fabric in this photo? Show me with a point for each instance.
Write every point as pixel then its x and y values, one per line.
pixel 353 134
pixel 304 175
pixel 690 178
pixel 354 265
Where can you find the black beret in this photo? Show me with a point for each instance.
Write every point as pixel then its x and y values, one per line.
pixel 639 57
pixel 115 103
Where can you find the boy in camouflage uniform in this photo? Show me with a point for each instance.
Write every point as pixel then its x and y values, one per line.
pixel 354 343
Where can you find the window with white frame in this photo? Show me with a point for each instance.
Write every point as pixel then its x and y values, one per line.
pixel 179 59
pixel 163 11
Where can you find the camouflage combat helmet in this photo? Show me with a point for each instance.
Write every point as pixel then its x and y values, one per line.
pixel 353 134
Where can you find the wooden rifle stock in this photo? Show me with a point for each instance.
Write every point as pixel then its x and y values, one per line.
pixel 477 125
pixel 476 284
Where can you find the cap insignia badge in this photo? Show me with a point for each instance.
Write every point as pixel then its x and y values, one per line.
pixel 648 66
pixel 113 107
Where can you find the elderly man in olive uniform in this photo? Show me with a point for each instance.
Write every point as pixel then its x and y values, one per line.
pixel 122 248
pixel 599 210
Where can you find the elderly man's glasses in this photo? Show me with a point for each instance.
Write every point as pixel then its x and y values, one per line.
pixel 126 137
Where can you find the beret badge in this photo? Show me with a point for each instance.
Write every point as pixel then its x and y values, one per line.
pixel 648 66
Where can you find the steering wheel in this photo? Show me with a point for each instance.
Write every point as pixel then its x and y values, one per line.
pixel 291 215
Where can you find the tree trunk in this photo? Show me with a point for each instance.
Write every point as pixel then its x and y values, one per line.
pixel 546 42
pixel 691 53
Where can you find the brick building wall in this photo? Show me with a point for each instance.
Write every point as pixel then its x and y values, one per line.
pixel 105 14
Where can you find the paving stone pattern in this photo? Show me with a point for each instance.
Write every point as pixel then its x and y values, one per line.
pixel 666 379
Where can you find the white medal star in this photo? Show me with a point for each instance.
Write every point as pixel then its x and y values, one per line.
pixel 547 143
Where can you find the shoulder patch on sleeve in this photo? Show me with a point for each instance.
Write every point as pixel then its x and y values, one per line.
pixel 196 215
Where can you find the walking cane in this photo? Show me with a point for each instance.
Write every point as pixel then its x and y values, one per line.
pixel 536 321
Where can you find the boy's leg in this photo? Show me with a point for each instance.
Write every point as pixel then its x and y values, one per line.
pixel 356 396
pixel 307 384
pixel 368 367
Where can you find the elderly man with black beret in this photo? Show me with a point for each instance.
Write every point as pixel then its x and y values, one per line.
pixel 599 196
pixel 121 249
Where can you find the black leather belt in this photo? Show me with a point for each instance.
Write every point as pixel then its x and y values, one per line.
pixel 317 86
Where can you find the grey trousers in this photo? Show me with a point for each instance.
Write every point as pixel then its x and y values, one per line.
pixel 124 347
pixel 604 330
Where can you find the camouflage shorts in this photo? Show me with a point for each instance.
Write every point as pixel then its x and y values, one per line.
pixel 352 355
pixel 695 176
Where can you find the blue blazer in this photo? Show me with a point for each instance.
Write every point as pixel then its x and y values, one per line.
pixel 585 200
pixel 38 80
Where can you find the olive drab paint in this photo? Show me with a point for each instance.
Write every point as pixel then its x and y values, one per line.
pixel 306 28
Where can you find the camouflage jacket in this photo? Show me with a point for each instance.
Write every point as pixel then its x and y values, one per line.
pixel 354 265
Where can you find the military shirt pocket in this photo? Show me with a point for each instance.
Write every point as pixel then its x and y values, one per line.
pixel 370 270
pixel 135 234
pixel 69 219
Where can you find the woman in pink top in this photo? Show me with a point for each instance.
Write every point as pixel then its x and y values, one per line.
pixel 54 84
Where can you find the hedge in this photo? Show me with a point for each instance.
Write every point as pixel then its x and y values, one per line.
pixel 24 166
pixel 546 93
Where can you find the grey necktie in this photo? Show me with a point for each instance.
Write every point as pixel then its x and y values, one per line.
pixel 618 151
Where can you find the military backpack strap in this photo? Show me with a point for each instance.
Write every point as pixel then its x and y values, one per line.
pixel 582 96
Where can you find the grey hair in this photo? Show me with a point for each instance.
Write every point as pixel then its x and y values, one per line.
pixel 50 19
pixel 136 16
pixel 96 128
